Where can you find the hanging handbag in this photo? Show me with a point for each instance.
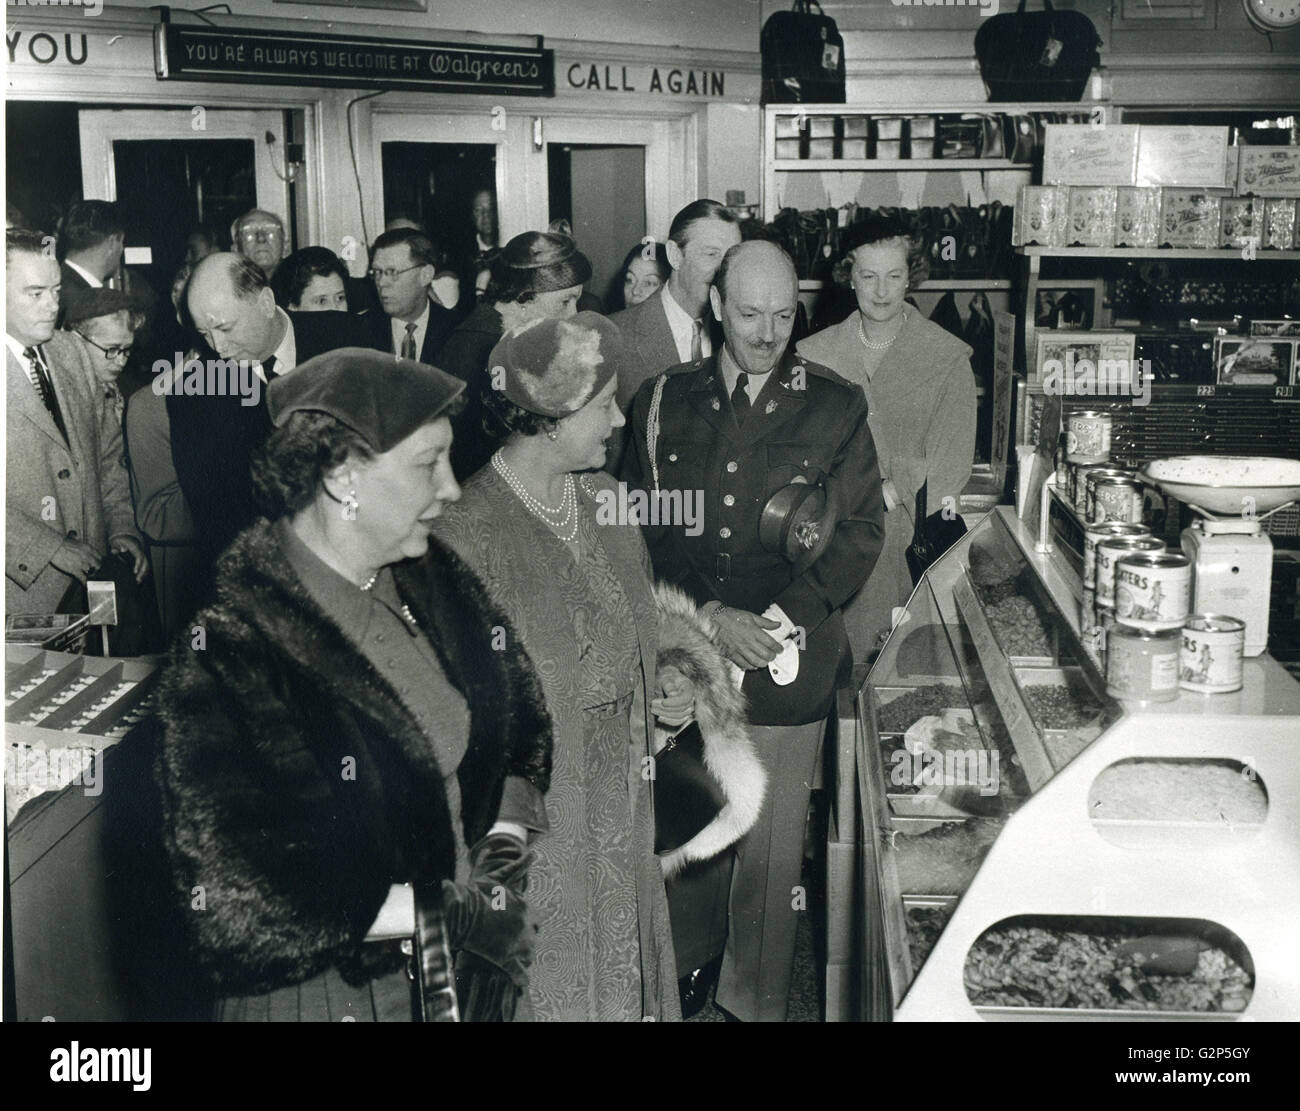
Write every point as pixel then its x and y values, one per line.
pixel 1028 56
pixel 803 57
pixel 931 537
pixel 687 795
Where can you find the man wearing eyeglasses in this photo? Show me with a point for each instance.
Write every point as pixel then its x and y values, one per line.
pixel 259 237
pixel 415 322
pixel 104 325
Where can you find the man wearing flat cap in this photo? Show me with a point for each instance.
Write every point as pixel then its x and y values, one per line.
pixel 537 275
pixel 739 426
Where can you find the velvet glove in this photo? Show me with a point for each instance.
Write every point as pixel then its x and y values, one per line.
pixel 486 918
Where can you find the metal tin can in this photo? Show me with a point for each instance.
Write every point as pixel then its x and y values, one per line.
pixel 1079 473
pixel 1094 534
pixel 1089 475
pixel 1142 664
pixel 1153 590
pixel 1089 440
pixel 1210 661
pixel 1109 552
pixel 1112 498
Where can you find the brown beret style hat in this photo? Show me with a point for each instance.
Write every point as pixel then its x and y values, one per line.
pixel 544 261
pixel 382 398
pixel 554 367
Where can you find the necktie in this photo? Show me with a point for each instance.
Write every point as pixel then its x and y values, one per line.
pixel 697 342
pixel 39 374
pixel 740 398
pixel 408 344
pixel 268 367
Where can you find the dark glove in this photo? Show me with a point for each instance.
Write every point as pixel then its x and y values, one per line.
pixel 487 916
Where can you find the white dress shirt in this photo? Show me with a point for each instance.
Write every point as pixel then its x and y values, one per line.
pixel 683 326
pixel 421 327
pixel 95 283
pixel 286 354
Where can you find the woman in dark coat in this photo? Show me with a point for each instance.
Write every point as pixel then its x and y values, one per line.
pixel 345 762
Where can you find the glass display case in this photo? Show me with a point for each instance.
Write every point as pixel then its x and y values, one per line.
pixel 1025 846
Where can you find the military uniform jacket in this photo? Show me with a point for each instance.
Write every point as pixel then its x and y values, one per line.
pixel 807 423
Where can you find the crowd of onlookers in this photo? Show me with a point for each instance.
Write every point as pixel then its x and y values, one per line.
pixel 110 358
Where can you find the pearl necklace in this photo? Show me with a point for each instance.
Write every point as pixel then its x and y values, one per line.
pixel 557 520
pixel 870 345
pixel 405 610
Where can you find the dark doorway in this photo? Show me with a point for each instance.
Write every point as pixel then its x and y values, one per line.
pixel 42 161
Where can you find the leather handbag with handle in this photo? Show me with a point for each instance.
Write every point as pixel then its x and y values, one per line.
pixel 803 57
pixel 1028 56
pixel 931 537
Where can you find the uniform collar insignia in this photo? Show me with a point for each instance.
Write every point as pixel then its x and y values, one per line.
pixel 771 407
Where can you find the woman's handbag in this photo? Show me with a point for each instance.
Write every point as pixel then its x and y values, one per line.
pixel 1028 56
pixel 803 57
pixel 931 537
pixel 687 795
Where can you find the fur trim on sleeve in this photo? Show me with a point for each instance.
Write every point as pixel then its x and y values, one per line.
pixel 686 643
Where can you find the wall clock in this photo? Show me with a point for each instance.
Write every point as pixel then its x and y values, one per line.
pixel 1273 15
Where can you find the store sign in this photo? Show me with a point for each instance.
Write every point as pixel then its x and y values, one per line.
pixel 674 82
pixel 277 57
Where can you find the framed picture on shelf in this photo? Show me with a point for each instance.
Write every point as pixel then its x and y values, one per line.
pixel 1255 361
pixel 1065 308
pixel 1275 328
pixel 1082 364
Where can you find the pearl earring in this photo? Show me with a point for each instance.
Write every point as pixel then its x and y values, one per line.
pixel 552 434
pixel 350 505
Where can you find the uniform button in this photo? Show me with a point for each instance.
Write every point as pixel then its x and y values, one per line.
pixel 729 499
pixel 672 457
pixel 22 567
pixel 805 462
pixel 732 466
pixel 724 532
pixel 72 534
pixel 65 473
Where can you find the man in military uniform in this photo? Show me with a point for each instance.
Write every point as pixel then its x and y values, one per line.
pixel 739 426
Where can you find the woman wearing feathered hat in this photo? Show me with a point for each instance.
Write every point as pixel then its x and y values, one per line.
pixel 614 660
pixel 334 795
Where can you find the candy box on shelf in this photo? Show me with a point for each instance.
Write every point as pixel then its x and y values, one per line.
pixel 1254 361
pixel 1280 223
pixel 1080 154
pixel 1041 214
pixel 1091 221
pixel 1190 217
pixel 1243 222
pixel 1137 216
pixel 1269 171
pixel 1182 156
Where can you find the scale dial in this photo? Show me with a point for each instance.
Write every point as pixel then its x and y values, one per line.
pixel 1273 15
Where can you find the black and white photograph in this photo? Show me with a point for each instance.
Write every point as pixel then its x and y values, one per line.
pixel 595 512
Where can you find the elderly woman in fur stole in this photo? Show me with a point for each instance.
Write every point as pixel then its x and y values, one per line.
pixel 540 524
pixel 344 765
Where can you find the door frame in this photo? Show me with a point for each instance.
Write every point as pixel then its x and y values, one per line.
pixel 99 128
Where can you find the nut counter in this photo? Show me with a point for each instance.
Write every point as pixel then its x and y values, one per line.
pixel 1016 844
